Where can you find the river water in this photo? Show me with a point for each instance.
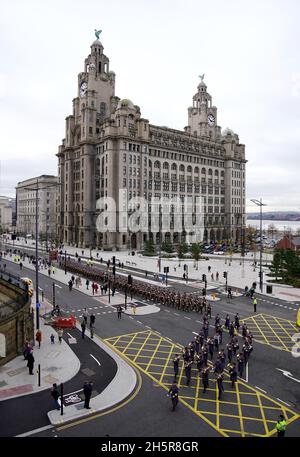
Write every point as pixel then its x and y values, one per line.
pixel 280 225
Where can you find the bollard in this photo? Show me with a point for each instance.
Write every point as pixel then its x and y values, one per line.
pixel 39 375
pixel 61 399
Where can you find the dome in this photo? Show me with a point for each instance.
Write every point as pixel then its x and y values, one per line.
pixel 97 43
pixel 125 103
pixel 228 131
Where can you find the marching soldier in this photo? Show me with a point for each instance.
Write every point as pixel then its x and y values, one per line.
pixel 208 309
pixel 227 321
pixel 241 364
pixel 173 394
pixel 217 320
pixel 188 371
pixel 186 354
pixel 217 341
pixel 246 352
pixel 222 358
pixel 211 344
pixel 204 354
pixel 220 377
pixel 232 373
pixel 235 343
pixel 199 362
pixel 176 364
pixel 237 322
pixel 205 378
pixel 192 350
pixel 229 351
pixel 231 329
pixel 197 343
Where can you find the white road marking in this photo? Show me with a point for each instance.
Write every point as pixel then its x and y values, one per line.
pixel 98 314
pixel 148 326
pixel 56 285
pixel 260 389
pixel 96 360
pixel 140 322
pixel 176 314
pixel 70 335
pixel 130 317
pixel 282 401
pixel 37 430
pixel 198 322
pixel 167 311
pixel 187 317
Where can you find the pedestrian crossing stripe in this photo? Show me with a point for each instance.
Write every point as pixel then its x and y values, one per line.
pixel 273 331
pixel 243 411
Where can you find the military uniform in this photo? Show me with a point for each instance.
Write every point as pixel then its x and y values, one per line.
pixel 205 378
pixel 220 377
pixel 176 365
pixel 174 393
pixel 188 371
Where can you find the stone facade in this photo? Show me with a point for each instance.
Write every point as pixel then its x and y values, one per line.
pixel 6 213
pixel 16 322
pixel 26 206
pixel 110 151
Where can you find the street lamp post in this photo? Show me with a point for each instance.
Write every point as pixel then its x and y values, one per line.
pixel 65 262
pixel 260 204
pixel 37 259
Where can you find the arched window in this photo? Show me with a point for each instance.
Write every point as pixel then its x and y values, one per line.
pixel 150 163
pixel 189 169
pixel 157 164
pixel 210 172
pixel 166 166
pixel 203 171
pixel 216 173
pixel 196 170
pixel 181 168
pixel 174 167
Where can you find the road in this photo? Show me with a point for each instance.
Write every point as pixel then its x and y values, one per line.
pixel 269 390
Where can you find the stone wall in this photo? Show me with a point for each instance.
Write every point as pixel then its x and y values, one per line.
pixel 17 325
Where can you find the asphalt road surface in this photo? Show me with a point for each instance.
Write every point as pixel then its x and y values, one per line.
pixel 150 406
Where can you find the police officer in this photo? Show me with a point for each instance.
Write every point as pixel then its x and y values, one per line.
pixel 232 373
pixel 188 371
pixel 205 378
pixel 281 426
pixel 220 377
pixel 173 394
pixel 176 365
pixel 254 301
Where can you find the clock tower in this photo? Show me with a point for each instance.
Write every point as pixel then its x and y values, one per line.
pixel 202 116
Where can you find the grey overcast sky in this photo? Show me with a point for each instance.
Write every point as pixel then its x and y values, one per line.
pixel 248 50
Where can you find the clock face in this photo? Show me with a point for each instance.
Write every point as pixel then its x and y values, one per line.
pixel 83 88
pixel 211 119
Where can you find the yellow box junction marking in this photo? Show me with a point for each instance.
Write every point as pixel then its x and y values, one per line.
pixel 243 411
pixel 274 331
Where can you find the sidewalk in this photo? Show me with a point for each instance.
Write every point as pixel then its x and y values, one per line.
pixel 58 364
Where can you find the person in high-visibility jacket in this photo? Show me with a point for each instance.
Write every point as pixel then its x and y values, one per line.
pixel 281 426
pixel 298 318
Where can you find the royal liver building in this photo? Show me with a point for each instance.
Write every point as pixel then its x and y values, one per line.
pixel 113 164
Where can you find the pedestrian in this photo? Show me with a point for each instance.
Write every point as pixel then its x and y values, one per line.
pixel 92 319
pixel 209 268
pixel 70 283
pixel 21 265
pixel 87 390
pixel 229 293
pixel 49 271
pixel 30 362
pixel 281 426
pixel 176 365
pixel 83 327
pixel 85 315
pixel 60 334
pixel 254 304
pixel 173 394
pixel 87 282
pixel 217 276
pixel 38 337
pixel 133 306
pixel 119 310
pixel 55 395
pixel 27 350
pixel 52 338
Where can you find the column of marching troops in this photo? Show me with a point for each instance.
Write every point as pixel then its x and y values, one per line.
pixel 167 297
pixel 203 347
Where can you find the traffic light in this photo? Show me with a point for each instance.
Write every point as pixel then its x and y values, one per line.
pixel 129 279
pixel 203 277
pixel 114 270
pixel 225 274
pixel 166 269
pixel 114 260
pixel 185 267
pixel 13 236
